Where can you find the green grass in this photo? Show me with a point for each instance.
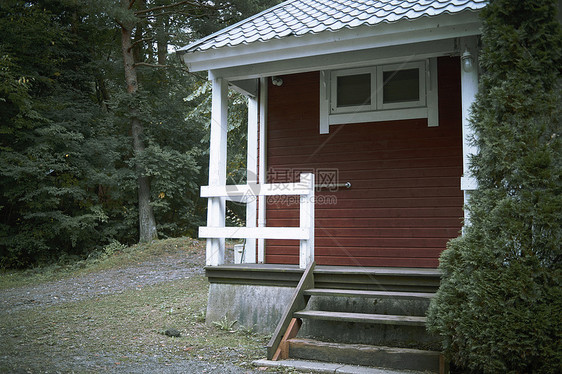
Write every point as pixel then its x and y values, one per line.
pixel 125 325
pixel 129 324
pixel 114 255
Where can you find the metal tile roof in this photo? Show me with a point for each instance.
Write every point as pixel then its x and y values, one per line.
pixel 301 17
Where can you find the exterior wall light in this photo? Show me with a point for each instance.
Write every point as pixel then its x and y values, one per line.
pixel 277 81
pixel 467 61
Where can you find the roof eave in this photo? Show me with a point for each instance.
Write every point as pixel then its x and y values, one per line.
pixel 423 29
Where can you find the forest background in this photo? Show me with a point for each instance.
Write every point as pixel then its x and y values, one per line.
pixel 103 132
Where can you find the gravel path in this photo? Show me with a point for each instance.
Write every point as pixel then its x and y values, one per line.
pixel 164 269
pixel 143 365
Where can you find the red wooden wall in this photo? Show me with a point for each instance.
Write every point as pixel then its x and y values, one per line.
pixel 405 201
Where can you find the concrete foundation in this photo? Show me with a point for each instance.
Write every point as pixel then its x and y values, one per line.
pixel 257 295
pixel 260 307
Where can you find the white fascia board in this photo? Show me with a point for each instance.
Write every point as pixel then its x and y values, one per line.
pixel 363 37
pixel 351 59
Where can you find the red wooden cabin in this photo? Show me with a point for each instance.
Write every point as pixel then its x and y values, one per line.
pixel 358 146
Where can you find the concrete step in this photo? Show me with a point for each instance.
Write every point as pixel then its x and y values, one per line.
pixel 365 355
pixel 327 368
pixel 369 294
pixel 369 301
pixel 384 319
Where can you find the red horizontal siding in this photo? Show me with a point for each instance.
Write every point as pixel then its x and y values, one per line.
pixel 405 201
pixel 373 222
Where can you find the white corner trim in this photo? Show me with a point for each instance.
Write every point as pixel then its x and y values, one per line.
pixel 469 184
pixel 469 89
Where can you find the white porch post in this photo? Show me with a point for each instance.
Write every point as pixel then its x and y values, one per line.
pixel 251 176
pixel 469 88
pixel 217 167
pixel 306 253
pixel 262 164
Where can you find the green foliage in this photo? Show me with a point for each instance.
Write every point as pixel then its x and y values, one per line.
pixel 113 248
pixel 68 172
pixel 201 316
pixel 225 324
pixel 56 144
pixel 227 13
pixel 499 308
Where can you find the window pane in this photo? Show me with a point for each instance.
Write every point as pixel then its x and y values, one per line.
pixel 401 86
pixel 354 90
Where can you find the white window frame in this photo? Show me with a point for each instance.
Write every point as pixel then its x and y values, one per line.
pixel 426 107
pixel 421 66
pixel 334 108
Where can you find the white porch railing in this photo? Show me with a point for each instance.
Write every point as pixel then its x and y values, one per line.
pixel 250 192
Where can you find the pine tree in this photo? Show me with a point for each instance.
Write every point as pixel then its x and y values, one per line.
pixel 69 173
pixel 56 149
pixel 499 307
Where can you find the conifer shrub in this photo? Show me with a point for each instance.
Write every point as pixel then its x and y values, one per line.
pixel 499 307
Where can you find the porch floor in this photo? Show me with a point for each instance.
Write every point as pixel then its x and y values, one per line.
pixel 373 278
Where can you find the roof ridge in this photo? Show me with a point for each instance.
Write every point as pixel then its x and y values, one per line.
pixel 226 29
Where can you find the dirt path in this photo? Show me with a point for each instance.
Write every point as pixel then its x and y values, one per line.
pixel 164 269
pixel 34 342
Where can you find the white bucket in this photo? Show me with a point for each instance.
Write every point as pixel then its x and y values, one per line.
pixel 238 253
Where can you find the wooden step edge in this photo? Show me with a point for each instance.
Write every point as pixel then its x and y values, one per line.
pixel 384 319
pixel 379 271
pixel 369 294
pixel 367 347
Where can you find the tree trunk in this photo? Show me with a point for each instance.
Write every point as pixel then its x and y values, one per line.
pixel 147 223
pixel 162 39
